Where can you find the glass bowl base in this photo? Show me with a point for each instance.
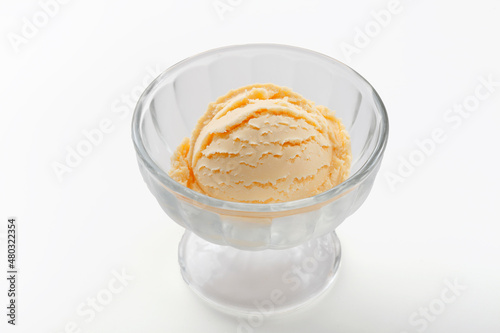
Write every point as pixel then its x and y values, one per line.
pixel 266 281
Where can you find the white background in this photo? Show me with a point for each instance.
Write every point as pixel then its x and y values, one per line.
pixel 437 225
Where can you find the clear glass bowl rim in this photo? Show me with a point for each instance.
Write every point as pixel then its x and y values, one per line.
pixel 179 189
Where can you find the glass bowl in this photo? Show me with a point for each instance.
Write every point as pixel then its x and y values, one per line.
pixel 248 257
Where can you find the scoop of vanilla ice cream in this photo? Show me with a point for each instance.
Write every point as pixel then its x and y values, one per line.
pixel 261 144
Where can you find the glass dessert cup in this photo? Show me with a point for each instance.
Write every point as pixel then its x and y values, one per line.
pixel 244 257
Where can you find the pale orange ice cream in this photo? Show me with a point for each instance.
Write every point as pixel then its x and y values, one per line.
pixel 262 144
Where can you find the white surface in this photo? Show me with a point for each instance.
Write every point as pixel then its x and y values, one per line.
pixel 401 250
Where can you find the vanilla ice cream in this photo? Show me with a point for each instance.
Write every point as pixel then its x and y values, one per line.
pixel 261 144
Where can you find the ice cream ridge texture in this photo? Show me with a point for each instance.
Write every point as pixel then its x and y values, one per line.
pixel 263 143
